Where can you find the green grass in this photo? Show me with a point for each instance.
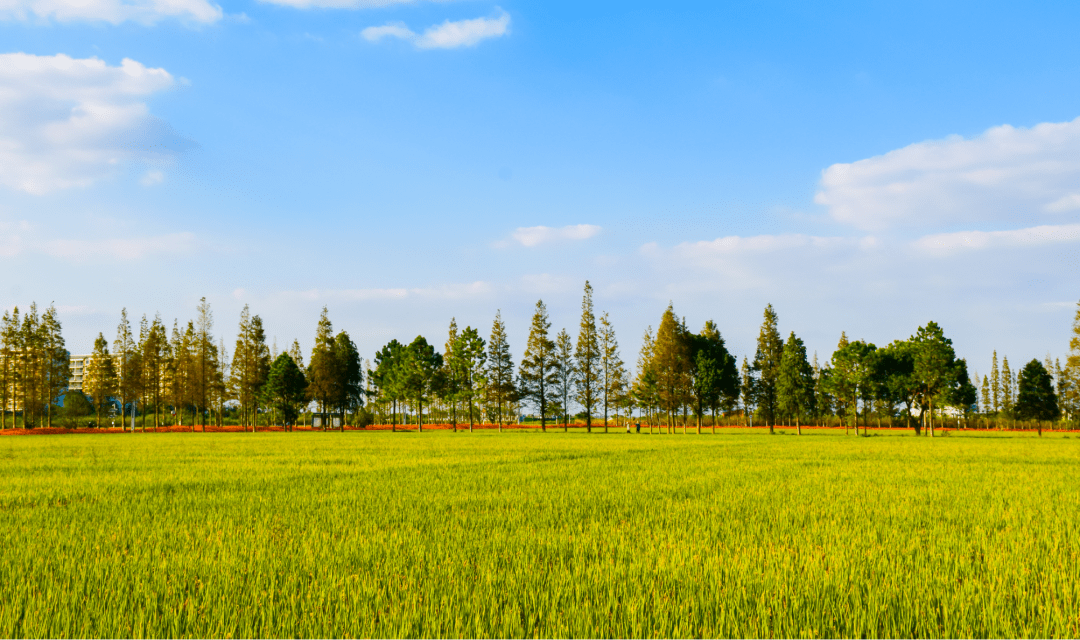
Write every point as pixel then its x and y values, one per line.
pixel 523 534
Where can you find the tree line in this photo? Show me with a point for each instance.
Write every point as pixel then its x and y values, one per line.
pixel 682 379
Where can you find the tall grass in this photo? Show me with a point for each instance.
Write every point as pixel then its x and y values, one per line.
pixel 379 534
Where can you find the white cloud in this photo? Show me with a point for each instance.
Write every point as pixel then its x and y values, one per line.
pixel 99 250
pixel 457 291
pixel 151 178
pixel 338 4
pixel 67 122
pixel 532 236
pixel 394 30
pixel 1070 202
pixel 463 33
pixel 448 35
pixel 114 11
pixel 948 243
pixel 1006 174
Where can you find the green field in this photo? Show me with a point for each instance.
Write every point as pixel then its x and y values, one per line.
pixel 525 534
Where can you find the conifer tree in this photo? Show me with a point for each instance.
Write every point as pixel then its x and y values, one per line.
pixel 99 380
pixel 207 369
pixel 538 371
pixel 795 383
pixel 389 377
pixel 1071 375
pixel 323 374
pixel 644 389
pixel 500 373
pixel 565 373
pixel 452 372
pixel 671 365
pixel 1036 399
pixel 9 348
pixel 128 367
pixel 30 366
pixel 986 402
pixel 766 366
pixel 587 358
pixel 285 389
pixel 612 369
pixel 56 359
pixel 470 358
pixel 350 385
pixel 296 354
pixel 1006 386
pixel 715 378
pixel 995 385
pixel 747 391
pixel 421 370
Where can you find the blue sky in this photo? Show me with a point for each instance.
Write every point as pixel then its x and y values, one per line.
pixel 864 167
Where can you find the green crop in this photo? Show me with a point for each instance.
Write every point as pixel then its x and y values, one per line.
pixel 524 534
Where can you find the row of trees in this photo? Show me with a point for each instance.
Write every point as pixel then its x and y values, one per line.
pixel 682 378
pixel 471 372
pixel 33 365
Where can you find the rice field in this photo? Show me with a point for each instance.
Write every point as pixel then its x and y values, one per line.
pixel 526 534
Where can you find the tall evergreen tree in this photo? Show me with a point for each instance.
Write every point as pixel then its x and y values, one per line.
pixel 452 373
pixel 538 373
pixel 128 368
pixel 100 380
pixel 748 391
pixel 421 370
pixel 9 349
pixel 766 366
pixel 1036 399
pixel 645 384
pixel 1006 387
pixel 795 383
pixel 56 359
pixel 565 373
pixel 1071 378
pixel 350 388
pixel 612 368
pixel 206 360
pixel 587 358
pixel 500 373
pixel 389 377
pixel 995 385
pixel 470 362
pixel 324 372
pixel 30 366
pixel 715 378
pixel 671 363
pixel 285 389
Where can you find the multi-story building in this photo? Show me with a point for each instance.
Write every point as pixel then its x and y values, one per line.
pixel 78 369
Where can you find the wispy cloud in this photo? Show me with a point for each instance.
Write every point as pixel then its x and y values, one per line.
pixel 533 236
pixel 448 35
pixel 112 11
pixel 949 243
pixel 100 250
pixel 456 291
pixel 340 4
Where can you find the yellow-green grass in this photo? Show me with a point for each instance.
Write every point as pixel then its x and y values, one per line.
pixel 526 534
